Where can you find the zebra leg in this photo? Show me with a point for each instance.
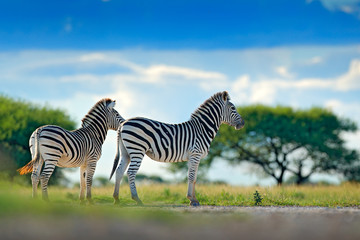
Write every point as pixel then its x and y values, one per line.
pixel 124 163
pixel 192 174
pixel 133 168
pixel 35 177
pixel 90 170
pixel 82 183
pixel 45 176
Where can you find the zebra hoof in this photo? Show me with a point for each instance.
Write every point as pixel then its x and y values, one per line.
pixel 194 203
pixel 116 202
pixel 137 200
pixel 82 202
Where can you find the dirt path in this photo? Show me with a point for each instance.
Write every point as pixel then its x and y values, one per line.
pixel 201 223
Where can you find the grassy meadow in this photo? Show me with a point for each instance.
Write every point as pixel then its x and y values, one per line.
pixel 16 199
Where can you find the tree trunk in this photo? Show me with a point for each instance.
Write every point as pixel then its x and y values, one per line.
pixel 301 180
pixel 280 179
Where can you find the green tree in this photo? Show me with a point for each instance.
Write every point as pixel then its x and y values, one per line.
pixel 351 170
pixel 281 139
pixel 18 119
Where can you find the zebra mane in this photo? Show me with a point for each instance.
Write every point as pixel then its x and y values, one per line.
pixel 87 120
pixel 217 97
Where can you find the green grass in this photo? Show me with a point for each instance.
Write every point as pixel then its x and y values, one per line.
pixel 16 199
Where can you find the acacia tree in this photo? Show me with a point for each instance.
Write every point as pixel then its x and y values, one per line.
pixel 281 139
pixel 18 119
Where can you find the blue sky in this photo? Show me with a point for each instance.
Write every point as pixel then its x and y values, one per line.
pixel 162 59
pixel 96 24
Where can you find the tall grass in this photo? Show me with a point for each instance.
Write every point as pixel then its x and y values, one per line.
pixel 16 199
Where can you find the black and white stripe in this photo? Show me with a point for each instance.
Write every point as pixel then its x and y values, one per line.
pixel 188 141
pixel 56 146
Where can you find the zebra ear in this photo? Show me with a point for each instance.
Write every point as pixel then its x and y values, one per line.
pixel 225 96
pixel 111 104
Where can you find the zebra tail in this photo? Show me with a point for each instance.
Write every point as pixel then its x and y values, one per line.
pixel 117 157
pixel 27 168
pixel 30 165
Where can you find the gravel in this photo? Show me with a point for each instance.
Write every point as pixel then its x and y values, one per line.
pixel 202 223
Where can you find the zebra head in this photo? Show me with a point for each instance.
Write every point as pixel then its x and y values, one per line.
pixel 230 116
pixel 113 117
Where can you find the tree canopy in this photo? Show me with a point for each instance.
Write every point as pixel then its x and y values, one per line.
pixel 281 139
pixel 18 119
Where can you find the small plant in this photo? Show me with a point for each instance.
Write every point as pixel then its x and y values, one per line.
pixel 167 192
pixel 257 198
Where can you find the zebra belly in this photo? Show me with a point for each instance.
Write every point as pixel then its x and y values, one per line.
pixel 150 153
pixel 67 162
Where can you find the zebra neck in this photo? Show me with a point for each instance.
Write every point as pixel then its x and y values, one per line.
pixel 99 131
pixel 95 122
pixel 209 125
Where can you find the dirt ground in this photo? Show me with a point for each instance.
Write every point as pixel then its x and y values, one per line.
pixel 203 223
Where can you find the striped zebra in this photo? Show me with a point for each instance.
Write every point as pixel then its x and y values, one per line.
pixel 188 141
pixel 56 146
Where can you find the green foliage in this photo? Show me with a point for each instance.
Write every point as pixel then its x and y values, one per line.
pixel 351 170
pixel 281 139
pixel 257 198
pixel 18 119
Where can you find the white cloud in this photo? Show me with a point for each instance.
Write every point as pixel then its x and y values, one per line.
pixel 314 60
pixel 351 79
pixel 344 109
pixel 283 72
pixel 92 57
pixel 155 73
pixel 130 102
pixel 104 58
pixel 346 6
pixel 351 111
pixel 347 9
pixel 311 83
pixel 348 81
pixel 241 83
pixel 214 85
pixel 240 89
pixel 352 140
pixel 263 92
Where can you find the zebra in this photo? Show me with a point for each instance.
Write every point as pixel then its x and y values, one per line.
pixel 56 146
pixel 187 141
